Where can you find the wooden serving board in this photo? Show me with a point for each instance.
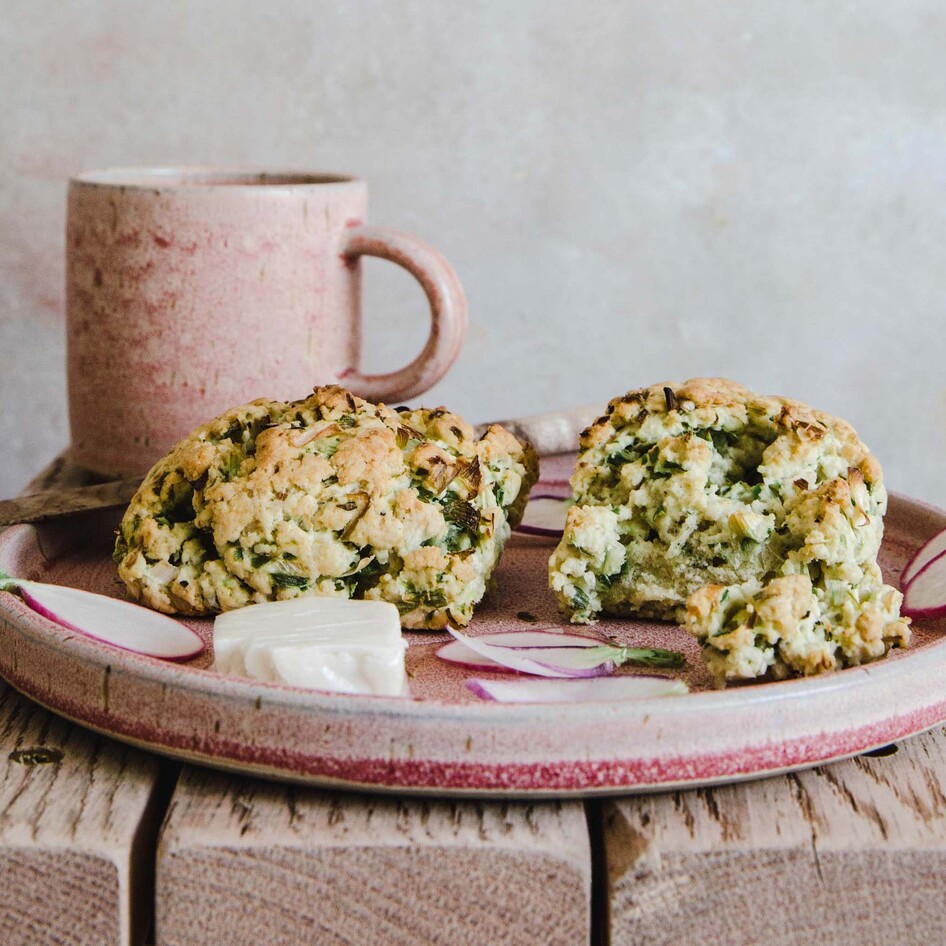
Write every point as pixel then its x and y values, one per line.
pixel 445 740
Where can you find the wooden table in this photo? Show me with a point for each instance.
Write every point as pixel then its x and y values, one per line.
pixel 100 843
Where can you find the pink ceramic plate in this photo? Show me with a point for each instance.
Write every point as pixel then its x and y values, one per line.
pixel 446 741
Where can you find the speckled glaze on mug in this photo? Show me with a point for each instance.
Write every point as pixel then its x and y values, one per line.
pixel 190 291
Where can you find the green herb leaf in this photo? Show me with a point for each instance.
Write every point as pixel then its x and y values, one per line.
pixel 664 468
pixel 629 454
pixel 118 553
pixel 284 580
pixel 231 466
pixel 234 433
pixel 649 657
pixel 367 577
pixel 463 514
pixel 422 597
pixel 580 600
pixel 454 539
pixel 180 511
pixel 433 598
pixel 723 440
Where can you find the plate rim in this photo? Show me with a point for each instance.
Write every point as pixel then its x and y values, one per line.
pixel 17 620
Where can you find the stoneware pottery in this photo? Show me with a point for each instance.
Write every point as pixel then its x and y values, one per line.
pixel 190 291
pixel 444 740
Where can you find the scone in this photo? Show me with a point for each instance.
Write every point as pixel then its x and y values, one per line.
pixel 753 520
pixel 326 496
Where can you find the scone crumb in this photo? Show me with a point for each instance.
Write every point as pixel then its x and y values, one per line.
pixel 329 496
pixel 755 521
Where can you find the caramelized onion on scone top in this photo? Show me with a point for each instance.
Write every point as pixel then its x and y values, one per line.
pixel 754 520
pixel 330 495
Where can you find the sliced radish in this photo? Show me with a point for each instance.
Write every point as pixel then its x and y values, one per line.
pixel 925 595
pixel 116 622
pixel 924 555
pixel 551 654
pixel 600 689
pixel 554 662
pixel 457 652
pixel 545 517
pixel 542 637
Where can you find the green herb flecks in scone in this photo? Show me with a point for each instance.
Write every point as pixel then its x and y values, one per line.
pixel 754 520
pixel 326 496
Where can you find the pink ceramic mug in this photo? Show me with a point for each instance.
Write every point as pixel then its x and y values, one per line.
pixel 190 291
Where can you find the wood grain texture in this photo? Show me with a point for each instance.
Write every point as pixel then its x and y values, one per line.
pixel 77 826
pixel 78 820
pixel 56 503
pixel 848 853
pixel 246 862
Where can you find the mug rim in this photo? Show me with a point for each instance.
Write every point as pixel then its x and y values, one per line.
pixel 209 177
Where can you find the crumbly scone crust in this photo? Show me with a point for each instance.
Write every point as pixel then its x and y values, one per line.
pixel 753 520
pixel 330 495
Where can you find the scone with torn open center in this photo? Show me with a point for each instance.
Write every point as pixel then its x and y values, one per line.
pixel 326 496
pixel 753 520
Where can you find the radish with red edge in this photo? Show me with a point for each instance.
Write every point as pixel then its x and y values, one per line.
pixel 925 595
pixel 563 655
pixel 110 620
pixel 545 637
pixel 545 517
pixel 596 690
pixel 457 652
pixel 923 556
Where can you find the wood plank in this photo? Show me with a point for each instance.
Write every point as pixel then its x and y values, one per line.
pixel 78 820
pixel 78 817
pixel 246 862
pixel 852 852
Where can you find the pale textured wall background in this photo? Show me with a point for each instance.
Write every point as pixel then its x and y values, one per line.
pixel 631 191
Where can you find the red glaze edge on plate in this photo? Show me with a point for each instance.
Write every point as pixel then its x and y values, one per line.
pixel 446 746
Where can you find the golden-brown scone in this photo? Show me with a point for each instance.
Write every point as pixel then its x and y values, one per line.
pixel 330 495
pixel 754 520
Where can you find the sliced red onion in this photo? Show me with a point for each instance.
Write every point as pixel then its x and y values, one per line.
pixel 542 637
pixel 456 652
pixel 925 595
pixel 549 653
pixel 598 689
pixel 115 622
pixel 545 517
pixel 557 662
pixel 570 661
pixel 935 547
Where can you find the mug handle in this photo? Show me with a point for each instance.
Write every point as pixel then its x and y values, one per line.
pixel 447 313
